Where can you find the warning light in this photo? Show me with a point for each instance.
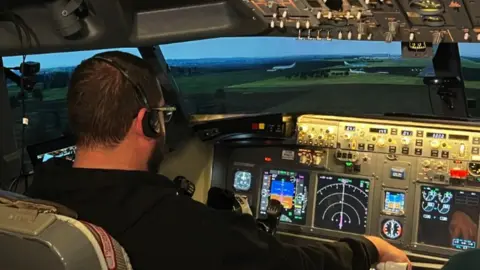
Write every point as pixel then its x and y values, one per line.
pixel 458 174
pixel 268 159
pixel 261 126
pixel 255 126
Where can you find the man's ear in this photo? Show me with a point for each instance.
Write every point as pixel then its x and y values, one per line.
pixel 137 124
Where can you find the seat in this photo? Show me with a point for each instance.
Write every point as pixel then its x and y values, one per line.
pixel 466 260
pixel 37 234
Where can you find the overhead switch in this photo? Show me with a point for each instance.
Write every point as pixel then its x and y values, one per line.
pixel 437 37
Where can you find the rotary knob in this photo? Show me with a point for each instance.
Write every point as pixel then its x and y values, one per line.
pixel 435 144
pixel 347 136
pixel 440 165
pixel 381 142
pixel 426 163
pixel 405 141
pixel 303 159
pixel 302 128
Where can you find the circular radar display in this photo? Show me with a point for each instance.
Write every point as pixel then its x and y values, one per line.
pixel 342 203
pixel 392 229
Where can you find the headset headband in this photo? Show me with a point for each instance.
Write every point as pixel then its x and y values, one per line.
pixel 140 94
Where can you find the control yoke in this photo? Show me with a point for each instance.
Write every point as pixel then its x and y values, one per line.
pixel 184 186
pixel 222 199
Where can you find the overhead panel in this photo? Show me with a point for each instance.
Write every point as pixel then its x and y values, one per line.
pixel 431 21
pixel 89 24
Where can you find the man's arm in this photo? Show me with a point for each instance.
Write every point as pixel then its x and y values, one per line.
pixel 259 249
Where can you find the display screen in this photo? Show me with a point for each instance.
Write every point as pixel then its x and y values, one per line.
pixel 349 128
pixel 379 130
pixel 458 137
pixel 290 188
pixel 342 203
pixel 407 133
pixel 67 153
pixel 436 135
pixel 394 202
pixel 397 173
pixel 448 218
pixel 242 180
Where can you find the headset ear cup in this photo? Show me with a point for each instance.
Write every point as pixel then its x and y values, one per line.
pixel 147 127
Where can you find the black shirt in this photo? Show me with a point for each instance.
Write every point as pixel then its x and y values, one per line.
pixel 162 230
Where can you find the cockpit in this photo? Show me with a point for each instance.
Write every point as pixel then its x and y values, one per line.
pixel 321 119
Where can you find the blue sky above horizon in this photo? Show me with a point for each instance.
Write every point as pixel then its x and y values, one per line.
pixel 244 47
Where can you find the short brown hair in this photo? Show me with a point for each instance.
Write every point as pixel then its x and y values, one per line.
pixel 102 103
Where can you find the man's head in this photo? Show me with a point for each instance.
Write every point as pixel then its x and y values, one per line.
pixel 108 114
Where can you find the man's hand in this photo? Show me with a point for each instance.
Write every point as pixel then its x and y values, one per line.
pixel 462 226
pixel 389 253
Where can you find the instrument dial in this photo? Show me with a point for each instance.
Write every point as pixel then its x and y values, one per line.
pixel 305 158
pixel 474 168
pixel 392 229
pixel 242 181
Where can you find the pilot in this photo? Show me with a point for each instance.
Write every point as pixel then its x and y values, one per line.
pixel 118 116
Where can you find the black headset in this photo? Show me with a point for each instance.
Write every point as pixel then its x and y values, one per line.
pixel 151 124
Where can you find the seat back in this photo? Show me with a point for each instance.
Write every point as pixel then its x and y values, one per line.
pixel 466 260
pixel 36 234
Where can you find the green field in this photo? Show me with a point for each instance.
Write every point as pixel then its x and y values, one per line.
pixel 208 84
pixel 48 94
pixel 351 79
pixel 261 80
pixel 366 78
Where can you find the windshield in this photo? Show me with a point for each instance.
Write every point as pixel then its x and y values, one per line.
pixel 254 75
pixel 275 74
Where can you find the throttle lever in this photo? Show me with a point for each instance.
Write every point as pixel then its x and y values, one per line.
pixel 392 266
pixel 274 211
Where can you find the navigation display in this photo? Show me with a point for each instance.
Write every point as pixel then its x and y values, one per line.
pixel 448 218
pixel 290 188
pixel 342 203
pixel 67 153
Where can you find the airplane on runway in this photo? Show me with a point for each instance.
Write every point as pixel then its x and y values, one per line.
pixel 354 64
pixel 276 68
pixel 356 71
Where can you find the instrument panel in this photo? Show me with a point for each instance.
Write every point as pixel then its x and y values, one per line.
pixel 414 184
pixel 419 22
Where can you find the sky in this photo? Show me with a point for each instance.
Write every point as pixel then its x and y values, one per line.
pixel 251 47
